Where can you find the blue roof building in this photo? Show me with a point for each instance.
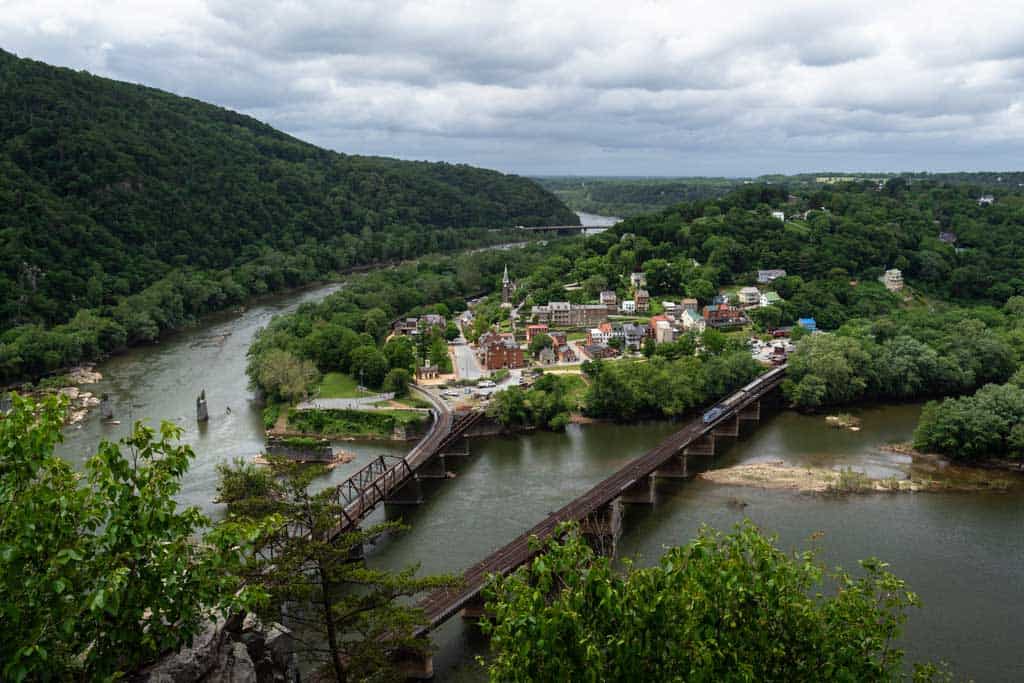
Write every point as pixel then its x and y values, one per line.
pixel 809 324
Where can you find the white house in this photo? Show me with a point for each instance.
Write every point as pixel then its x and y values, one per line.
pixel 663 332
pixel 629 306
pixel 893 280
pixel 781 215
pixel 637 280
pixel 749 296
pixel 770 298
pixel 692 320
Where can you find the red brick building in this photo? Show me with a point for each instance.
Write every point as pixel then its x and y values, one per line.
pixel 498 351
pixel 533 330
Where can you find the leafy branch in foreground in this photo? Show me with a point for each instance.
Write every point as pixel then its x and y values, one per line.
pixel 101 572
pixel 722 608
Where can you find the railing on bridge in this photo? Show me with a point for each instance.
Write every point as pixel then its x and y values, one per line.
pixel 368 486
pixel 445 602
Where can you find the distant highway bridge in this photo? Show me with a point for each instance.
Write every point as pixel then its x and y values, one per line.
pixel 599 510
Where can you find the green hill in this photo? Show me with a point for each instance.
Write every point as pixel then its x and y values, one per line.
pixel 109 188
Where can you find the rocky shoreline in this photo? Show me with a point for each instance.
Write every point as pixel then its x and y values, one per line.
pixel 778 475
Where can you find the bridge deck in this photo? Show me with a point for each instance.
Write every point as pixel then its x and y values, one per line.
pixel 443 603
pixel 368 487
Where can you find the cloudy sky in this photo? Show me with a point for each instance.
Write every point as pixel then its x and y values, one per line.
pixel 580 87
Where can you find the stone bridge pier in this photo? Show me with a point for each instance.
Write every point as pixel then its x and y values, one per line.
pixel 602 528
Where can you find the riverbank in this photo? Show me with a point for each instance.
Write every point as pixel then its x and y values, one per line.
pixel 779 475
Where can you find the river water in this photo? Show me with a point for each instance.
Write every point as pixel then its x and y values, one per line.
pixel 963 553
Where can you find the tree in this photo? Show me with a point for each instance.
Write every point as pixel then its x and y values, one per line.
pixel 701 289
pixel 369 365
pixel 361 615
pixel 397 382
pixel 724 607
pixel 400 352
pixel 375 324
pixel 100 573
pixel 540 342
pixel 284 377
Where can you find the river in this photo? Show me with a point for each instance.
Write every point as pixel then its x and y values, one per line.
pixel 963 553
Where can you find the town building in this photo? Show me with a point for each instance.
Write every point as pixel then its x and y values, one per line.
pixel 809 324
pixel 547 356
pixel 628 307
pixel 633 336
pixel 893 280
pixel 564 314
pixel 749 296
pixel 690 304
pixel 723 315
pixel 427 372
pixel 637 280
pixel 765 276
pixel 597 335
pixel 770 298
pixel 609 300
pixel 566 354
pixel 533 330
pixel 779 215
pixel 499 350
pixel 508 289
pixel 670 307
pixel 947 237
pixel 692 321
pixel 986 200
pixel 664 332
pixel 643 300
pixel 413 326
pixel 599 351
pixel 557 338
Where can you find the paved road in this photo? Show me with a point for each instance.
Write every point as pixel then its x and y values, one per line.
pixel 466 366
pixel 343 403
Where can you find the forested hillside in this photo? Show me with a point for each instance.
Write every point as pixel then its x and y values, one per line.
pixel 625 197
pixel 107 188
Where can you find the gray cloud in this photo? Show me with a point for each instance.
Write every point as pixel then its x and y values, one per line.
pixel 711 87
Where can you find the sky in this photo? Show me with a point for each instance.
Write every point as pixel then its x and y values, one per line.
pixel 580 87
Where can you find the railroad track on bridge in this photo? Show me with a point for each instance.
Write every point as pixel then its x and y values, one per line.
pixel 443 603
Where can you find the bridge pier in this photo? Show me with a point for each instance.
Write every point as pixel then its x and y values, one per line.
pixel 474 609
pixel 705 445
pixel 602 528
pixel 410 493
pixel 462 452
pixel 751 413
pixel 434 468
pixel 640 493
pixel 417 665
pixel 730 428
pixel 673 469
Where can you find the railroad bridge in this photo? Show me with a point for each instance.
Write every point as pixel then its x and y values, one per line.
pixel 397 480
pixel 599 510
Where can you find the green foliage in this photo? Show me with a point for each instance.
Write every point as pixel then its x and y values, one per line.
pixel 725 607
pixel 984 425
pixel 351 613
pixel 340 385
pixel 370 365
pixel 397 382
pixel 344 422
pixel 626 390
pixel 284 377
pixel 546 404
pixel 539 343
pixel 911 354
pixel 633 196
pixel 101 572
pixel 128 211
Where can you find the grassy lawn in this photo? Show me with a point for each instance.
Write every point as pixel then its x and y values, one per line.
pixel 408 402
pixel 575 389
pixel 575 336
pixel 339 385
